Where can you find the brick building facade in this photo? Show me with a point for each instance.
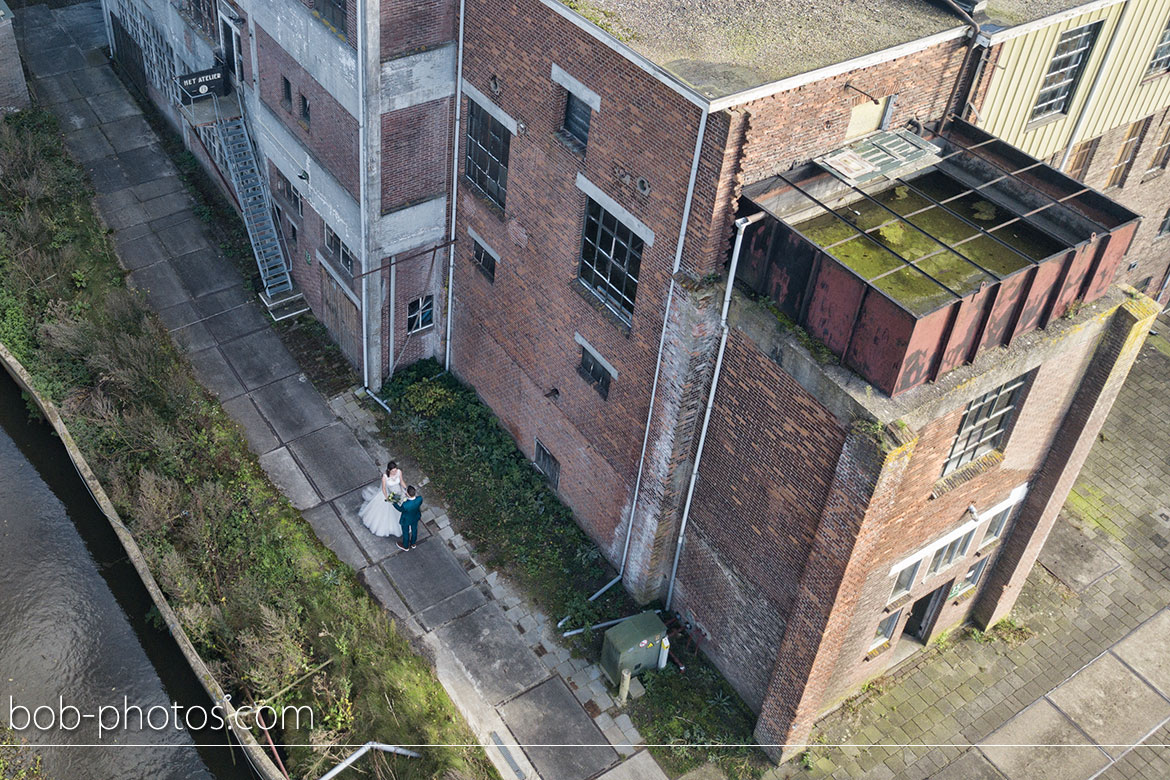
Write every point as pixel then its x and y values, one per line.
pixel 778 462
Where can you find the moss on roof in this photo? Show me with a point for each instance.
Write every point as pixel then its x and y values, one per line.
pixel 727 46
pixel 1009 13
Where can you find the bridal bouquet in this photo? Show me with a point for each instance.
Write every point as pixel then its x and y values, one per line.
pixel 394 498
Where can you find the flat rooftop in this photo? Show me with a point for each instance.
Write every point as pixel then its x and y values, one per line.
pixel 720 48
pixel 1009 13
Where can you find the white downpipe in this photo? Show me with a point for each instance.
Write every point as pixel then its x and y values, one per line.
pixel 741 225
pixel 682 234
pixel 393 279
pixel 1106 59
pixel 454 188
pixel 366 748
pixel 363 188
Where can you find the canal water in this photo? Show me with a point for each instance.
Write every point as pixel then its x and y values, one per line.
pixel 74 630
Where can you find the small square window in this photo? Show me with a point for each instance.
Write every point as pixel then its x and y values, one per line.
pixel 546 464
pixel 974 574
pixel 420 314
pixel 339 250
pixel 593 371
pixel 885 629
pixel 950 552
pixel 577 117
pixel 997 525
pixel 905 581
pixel 485 261
pixel 305 116
pixel 285 93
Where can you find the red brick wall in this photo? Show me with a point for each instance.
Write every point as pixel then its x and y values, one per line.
pixel 415 162
pixel 527 319
pixel 332 135
pixel 770 456
pixel 310 239
pixel 415 277
pixel 411 25
pixel 795 126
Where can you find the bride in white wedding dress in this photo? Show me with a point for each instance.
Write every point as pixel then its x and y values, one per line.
pixel 378 513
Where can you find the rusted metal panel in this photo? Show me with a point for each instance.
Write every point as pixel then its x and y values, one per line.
pixel 833 305
pixel 1040 294
pixel 923 347
pixel 1003 313
pixel 1072 275
pixel 965 329
pixel 879 342
pixel 1108 261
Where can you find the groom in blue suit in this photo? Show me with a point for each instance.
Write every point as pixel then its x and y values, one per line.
pixel 410 515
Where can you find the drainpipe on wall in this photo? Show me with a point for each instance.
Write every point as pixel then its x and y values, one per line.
pixel 682 233
pixel 454 188
pixel 363 188
pixel 741 225
pixel 1097 79
pixel 976 33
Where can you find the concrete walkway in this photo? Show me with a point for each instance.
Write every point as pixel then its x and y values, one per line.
pixel 1088 693
pixel 497 659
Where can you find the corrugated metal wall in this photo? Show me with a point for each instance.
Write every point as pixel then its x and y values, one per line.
pixel 1125 95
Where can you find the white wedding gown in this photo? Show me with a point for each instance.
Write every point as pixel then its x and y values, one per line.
pixel 378 514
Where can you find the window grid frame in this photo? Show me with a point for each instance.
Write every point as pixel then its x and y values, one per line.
pixel 333 11
pixel 598 223
pixel 339 250
pixel 484 261
pixel 1164 229
pixel 1160 60
pixel 964 448
pixel 593 371
pixel 1065 69
pixel 998 523
pixel 285 92
pixel 477 155
pixel 420 314
pixel 306 112
pixel 546 464
pixel 1126 154
pixel 946 556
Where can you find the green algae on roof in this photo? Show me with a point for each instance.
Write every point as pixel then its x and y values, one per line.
pixel 719 48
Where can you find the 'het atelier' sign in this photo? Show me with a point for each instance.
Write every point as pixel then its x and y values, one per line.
pixel 203 83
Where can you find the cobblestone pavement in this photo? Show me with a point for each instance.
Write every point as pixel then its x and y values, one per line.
pixel 497 657
pixel 1111 548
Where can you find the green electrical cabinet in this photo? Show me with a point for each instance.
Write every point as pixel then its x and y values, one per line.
pixel 633 644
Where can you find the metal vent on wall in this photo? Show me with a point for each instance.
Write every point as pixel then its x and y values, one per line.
pixel 886 153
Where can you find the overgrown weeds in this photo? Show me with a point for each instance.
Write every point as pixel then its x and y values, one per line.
pixel 506 508
pixel 265 603
pixel 17 760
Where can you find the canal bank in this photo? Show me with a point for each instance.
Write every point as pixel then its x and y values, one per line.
pixel 76 631
pixel 133 580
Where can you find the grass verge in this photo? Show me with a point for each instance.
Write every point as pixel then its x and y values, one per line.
pixel 278 618
pixel 518 525
pixel 17 761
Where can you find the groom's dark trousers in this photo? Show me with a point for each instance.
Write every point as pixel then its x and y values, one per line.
pixel 411 514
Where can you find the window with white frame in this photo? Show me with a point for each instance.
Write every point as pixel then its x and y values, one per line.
pixel 997 525
pixel 420 314
pixel 885 629
pixel 1160 62
pixel 971 579
pixel 484 260
pixel 949 553
pixel 905 580
pixel 1065 71
pixel 546 464
pixel 984 425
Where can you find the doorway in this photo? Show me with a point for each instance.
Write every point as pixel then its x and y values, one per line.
pixel 923 613
pixel 229 40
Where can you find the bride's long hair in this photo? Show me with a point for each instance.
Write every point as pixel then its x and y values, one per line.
pixel 391 466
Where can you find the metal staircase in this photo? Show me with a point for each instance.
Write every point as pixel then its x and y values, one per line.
pixel 251 186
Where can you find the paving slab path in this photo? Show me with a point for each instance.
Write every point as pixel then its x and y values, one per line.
pixel 520 691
